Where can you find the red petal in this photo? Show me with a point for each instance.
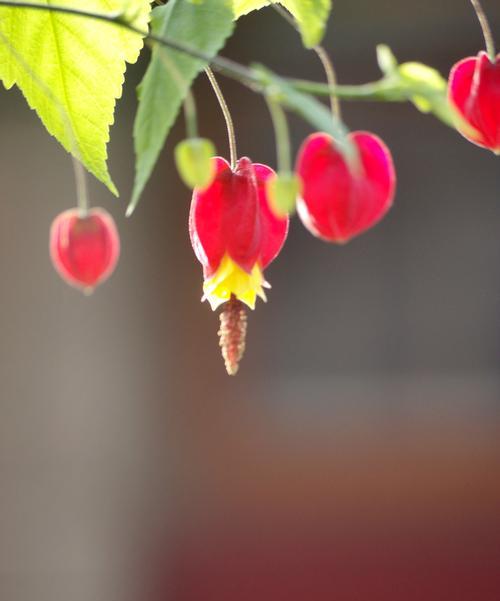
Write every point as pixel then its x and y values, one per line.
pixel 84 250
pixel 232 216
pixel 242 227
pixel 474 89
pixel 337 204
pixel 274 230
pixel 205 219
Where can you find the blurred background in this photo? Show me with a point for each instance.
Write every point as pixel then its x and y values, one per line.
pixel 355 457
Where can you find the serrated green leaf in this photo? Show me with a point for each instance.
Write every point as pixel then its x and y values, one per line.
pixel 311 15
pixel 170 74
pixel 71 70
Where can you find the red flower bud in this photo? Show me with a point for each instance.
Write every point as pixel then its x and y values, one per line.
pixel 338 203
pixel 474 90
pixel 234 233
pixel 84 250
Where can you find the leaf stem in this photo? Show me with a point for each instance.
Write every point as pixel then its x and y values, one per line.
pixel 281 134
pixel 485 26
pixel 227 117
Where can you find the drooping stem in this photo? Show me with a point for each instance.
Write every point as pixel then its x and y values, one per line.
pixel 227 117
pixel 331 78
pixel 323 57
pixel 485 26
pixel 281 134
pixel 81 187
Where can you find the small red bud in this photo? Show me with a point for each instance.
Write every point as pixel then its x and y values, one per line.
pixel 84 250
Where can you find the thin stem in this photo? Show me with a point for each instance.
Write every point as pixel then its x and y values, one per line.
pixel 81 187
pixel 281 134
pixel 227 117
pixel 485 26
pixel 323 57
pixel 383 89
pixel 331 78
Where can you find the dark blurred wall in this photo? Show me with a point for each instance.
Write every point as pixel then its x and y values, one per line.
pixel 356 455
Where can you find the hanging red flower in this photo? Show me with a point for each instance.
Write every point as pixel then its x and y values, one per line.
pixel 338 202
pixel 235 236
pixel 474 90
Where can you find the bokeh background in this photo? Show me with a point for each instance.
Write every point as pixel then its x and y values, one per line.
pixel 355 457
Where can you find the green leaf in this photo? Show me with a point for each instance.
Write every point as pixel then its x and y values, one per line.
pixel 311 15
pixel 70 70
pixel 170 74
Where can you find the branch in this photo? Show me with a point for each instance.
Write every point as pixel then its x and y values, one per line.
pixel 381 90
pixel 388 89
pixel 223 65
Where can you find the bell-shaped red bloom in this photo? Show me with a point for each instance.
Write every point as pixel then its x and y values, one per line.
pixel 84 250
pixel 474 90
pixel 338 203
pixel 234 233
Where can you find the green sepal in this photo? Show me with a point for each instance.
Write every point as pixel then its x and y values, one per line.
pixel 193 158
pixel 283 189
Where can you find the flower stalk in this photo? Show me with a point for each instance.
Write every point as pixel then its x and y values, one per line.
pixel 486 29
pixel 233 153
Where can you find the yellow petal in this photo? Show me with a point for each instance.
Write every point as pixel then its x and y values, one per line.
pixel 229 279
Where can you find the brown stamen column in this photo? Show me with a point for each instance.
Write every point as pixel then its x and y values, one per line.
pixel 232 333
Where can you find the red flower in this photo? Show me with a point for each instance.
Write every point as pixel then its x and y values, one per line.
pixel 474 90
pixel 337 203
pixel 84 250
pixel 233 232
